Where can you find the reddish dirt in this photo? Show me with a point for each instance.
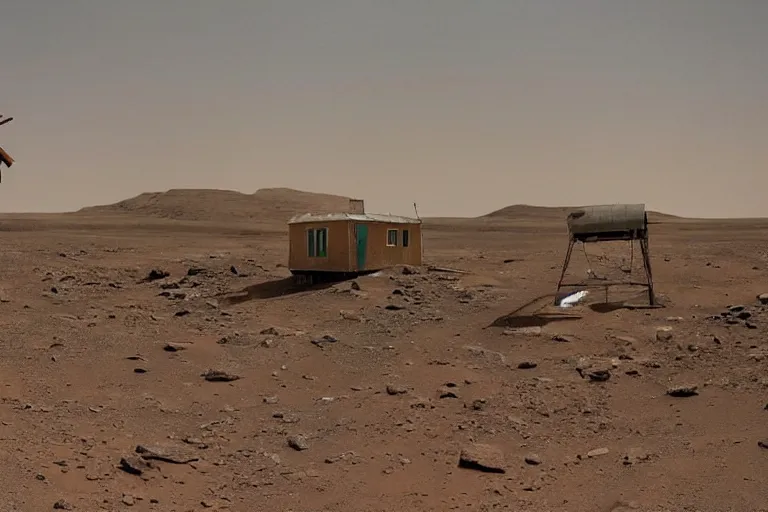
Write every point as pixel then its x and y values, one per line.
pixel 384 411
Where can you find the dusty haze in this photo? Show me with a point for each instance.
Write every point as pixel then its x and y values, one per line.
pixel 463 107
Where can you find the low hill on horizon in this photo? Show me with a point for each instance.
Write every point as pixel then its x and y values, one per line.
pixel 267 204
pixel 280 204
pixel 525 211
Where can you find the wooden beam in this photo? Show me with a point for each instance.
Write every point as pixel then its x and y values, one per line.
pixel 5 158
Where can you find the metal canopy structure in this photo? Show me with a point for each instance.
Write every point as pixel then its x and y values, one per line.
pixel 609 223
pixel 5 158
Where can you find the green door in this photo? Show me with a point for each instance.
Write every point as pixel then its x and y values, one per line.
pixel 361 236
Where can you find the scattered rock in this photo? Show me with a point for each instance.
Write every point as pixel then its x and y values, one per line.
pixel 351 316
pixel 165 455
pixel 128 500
pixel 298 442
pixel 479 404
pixel 527 365
pixel 272 400
pixel 155 275
pixel 664 334
pixel 563 338
pixel 394 307
pixel 597 452
pixel 523 331
pixel 683 391
pixel 183 312
pixel 635 456
pixel 219 376
pixel 625 506
pixel 62 505
pixel 447 393
pixel 763 444
pixel 175 347
pixel 482 457
pixel 325 339
pixel 340 457
pixel 394 389
pixel 599 375
pixel 488 354
pixel 532 459
pixel 763 298
pixel 135 465
pixel 279 331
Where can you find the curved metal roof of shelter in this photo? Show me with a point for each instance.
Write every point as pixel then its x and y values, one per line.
pixel 358 217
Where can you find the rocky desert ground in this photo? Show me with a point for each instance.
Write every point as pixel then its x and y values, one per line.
pixel 156 358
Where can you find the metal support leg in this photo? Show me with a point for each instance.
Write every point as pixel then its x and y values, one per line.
pixel 565 267
pixel 647 265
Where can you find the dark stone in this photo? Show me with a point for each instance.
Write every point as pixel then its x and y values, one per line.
pixel 532 459
pixel 325 339
pixel 135 465
pixel 599 375
pixel 219 376
pixel 158 454
pixel 155 274
pixel 683 391
pixel 393 389
pixel 298 443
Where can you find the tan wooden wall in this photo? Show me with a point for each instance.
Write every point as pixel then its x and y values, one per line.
pixel 338 247
pixel 381 256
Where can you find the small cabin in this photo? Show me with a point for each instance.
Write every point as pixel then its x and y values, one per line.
pixel 352 243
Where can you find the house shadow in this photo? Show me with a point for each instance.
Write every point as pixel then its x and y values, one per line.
pixel 514 321
pixel 607 307
pixel 276 288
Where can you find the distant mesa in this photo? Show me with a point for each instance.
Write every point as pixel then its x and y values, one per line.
pixel 267 204
pixel 525 211
pixel 522 211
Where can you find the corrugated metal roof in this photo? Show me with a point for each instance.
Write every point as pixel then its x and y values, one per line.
pixel 359 217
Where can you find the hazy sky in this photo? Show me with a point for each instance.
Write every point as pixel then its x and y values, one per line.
pixel 462 106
